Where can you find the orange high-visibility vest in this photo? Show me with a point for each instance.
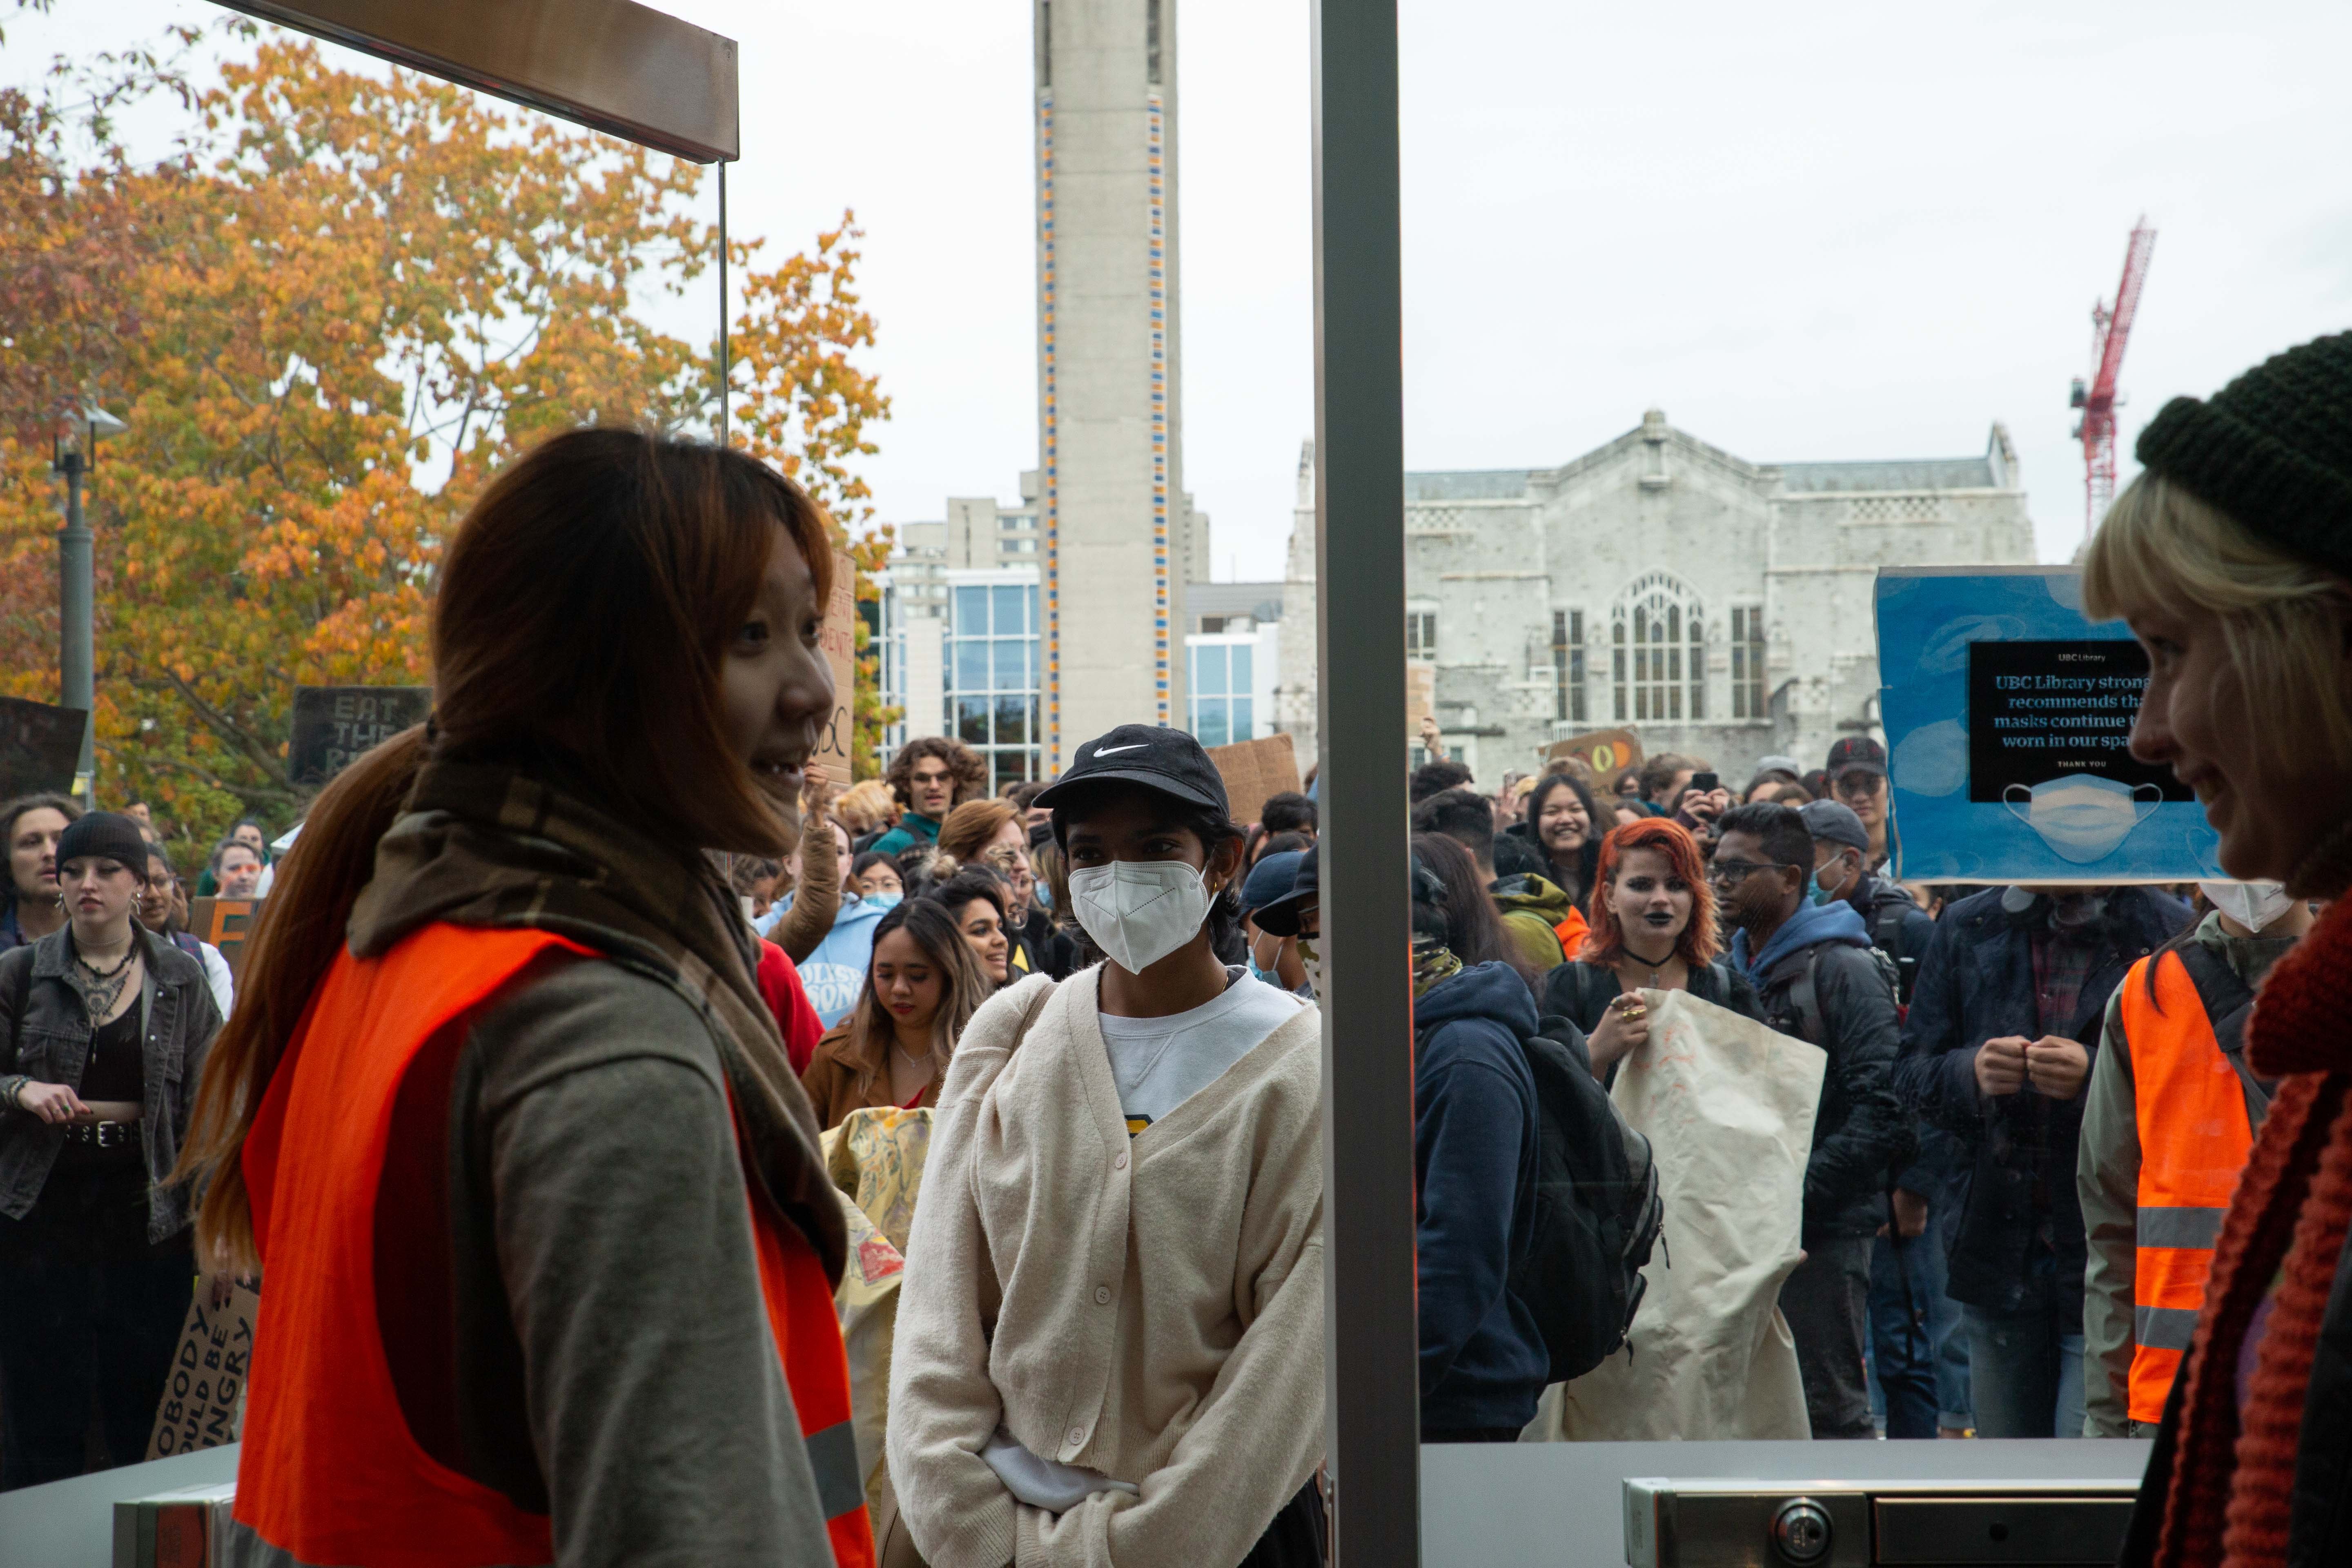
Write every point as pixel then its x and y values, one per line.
pixel 2194 1137
pixel 1572 932
pixel 329 1471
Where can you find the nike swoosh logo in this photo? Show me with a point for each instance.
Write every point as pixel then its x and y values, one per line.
pixel 1106 750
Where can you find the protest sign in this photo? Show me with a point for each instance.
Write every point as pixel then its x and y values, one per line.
pixel 2007 717
pixel 204 1397
pixel 1607 753
pixel 40 747
pixel 334 725
pixel 838 636
pixel 1420 694
pixel 226 923
pixel 1254 770
pixel 1728 1106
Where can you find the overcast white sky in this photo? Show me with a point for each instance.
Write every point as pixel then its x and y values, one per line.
pixel 1811 232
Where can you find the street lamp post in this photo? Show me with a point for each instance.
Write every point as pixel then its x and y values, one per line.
pixel 76 656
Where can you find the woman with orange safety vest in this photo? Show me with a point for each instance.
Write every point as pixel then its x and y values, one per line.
pixel 548 1247
pixel 2168 1122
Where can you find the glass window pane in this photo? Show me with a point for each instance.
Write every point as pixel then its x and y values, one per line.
pixel 971 721
pixel 971 612
pixel 1011 663
pixel 1212 724
pixel 1241 667
pixel 1243 729
pixel 1010 727
pixel 971 665
pixel 1012 600
pixel 1210 670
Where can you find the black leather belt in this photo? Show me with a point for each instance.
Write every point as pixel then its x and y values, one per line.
pixel 104 1134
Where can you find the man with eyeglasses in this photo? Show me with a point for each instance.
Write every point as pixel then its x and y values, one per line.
pixel 1815 977
pixel 1857 775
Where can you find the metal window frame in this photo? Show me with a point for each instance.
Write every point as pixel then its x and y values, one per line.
pixel 1371 1397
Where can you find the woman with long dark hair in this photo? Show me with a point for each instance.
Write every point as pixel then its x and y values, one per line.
pixel 893 1048
pixel 549 1247
pixel 1566 828
pixel 1654 929
pixel 103 1031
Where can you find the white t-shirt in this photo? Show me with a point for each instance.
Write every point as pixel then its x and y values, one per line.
pixel 1160 1063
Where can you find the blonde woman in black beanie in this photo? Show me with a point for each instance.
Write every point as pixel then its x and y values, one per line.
pixel 2229 559
pixel 103 1031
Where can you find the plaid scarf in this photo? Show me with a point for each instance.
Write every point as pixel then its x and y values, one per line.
pixel 493 845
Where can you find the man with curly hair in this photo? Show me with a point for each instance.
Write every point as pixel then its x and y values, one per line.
pixel 932 776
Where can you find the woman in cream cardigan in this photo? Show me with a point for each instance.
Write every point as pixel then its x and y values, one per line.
pixel 1110 1333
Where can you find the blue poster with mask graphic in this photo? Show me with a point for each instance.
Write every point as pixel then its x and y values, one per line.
pixel 2008 718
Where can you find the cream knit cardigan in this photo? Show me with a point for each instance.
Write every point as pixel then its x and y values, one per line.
pixel 1149 1308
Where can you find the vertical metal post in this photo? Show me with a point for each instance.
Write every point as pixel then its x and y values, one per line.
pixel 723 366
pixel 1372 1389
pixel 76 656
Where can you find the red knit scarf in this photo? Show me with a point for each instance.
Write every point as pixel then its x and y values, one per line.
pixel 2228 1496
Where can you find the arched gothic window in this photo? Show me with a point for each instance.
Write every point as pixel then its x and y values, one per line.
pixel 1658 651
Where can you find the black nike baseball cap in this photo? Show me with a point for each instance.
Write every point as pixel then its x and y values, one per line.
pixel 1152 755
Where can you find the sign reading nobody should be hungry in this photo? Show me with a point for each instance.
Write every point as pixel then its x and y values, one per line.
pixel 2008 718
pixel 335 725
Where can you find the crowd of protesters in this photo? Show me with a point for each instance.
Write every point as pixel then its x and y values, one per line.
pixel 540 1111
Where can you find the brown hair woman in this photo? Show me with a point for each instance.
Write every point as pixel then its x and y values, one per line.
pixel 922 988
pixel 549 1249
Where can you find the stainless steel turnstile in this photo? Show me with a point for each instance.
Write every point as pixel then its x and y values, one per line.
pixel 1861 1524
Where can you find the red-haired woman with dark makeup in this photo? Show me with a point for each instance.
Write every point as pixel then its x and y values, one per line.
pixel 1653 929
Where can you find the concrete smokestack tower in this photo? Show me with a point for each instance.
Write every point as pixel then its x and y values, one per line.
pixel 1118 529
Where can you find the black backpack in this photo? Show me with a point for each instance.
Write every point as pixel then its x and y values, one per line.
pixel 1597 1209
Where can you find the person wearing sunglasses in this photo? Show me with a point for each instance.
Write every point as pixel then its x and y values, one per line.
pixel 1814 974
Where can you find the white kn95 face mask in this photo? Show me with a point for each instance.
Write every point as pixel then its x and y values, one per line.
pixel 1139 911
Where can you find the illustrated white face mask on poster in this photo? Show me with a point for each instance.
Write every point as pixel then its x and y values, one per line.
pixel 1139 911
pixel 2253 905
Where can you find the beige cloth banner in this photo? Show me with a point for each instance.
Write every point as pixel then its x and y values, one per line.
pixel 876 1159
pixel 1728 1106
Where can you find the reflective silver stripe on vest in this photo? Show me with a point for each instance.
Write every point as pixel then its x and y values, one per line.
pixel 832 1455
pixel 2180 1228
pixel 2163 1328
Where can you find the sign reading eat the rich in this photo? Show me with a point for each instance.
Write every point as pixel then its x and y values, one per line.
pixel 335 725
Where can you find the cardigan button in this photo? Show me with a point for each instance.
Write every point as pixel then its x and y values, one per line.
pixel 1121 1162
pixel 1102 1295
pixel 1077 1434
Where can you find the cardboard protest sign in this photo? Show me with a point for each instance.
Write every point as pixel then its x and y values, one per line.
pixel 838 636
pixel 204 1397
pixel 334 725
pixel 40 747
pixel 1254 770
pixel 226 923
pixel 2008 718
pixel 1606 752
pixel 1420 694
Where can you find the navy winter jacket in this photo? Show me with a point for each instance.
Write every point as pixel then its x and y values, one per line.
pixel 2020 1247
pixel 1483 1362
pixel 1860 1131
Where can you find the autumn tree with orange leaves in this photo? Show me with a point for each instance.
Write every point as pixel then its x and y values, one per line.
pixel 346 300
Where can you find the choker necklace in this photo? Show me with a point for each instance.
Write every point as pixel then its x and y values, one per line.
pixel 106 984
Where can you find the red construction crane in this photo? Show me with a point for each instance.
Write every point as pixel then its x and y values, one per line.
pixel 2110 331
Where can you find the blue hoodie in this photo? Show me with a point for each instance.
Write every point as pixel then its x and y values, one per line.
pixel 835 971
pixel 1483 1360
pixel 1811 923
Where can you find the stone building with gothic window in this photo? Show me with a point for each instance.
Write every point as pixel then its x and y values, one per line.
pixel 1718 608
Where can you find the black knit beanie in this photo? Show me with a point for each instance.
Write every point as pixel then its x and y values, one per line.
pixel 2273 450
pixel 107 834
